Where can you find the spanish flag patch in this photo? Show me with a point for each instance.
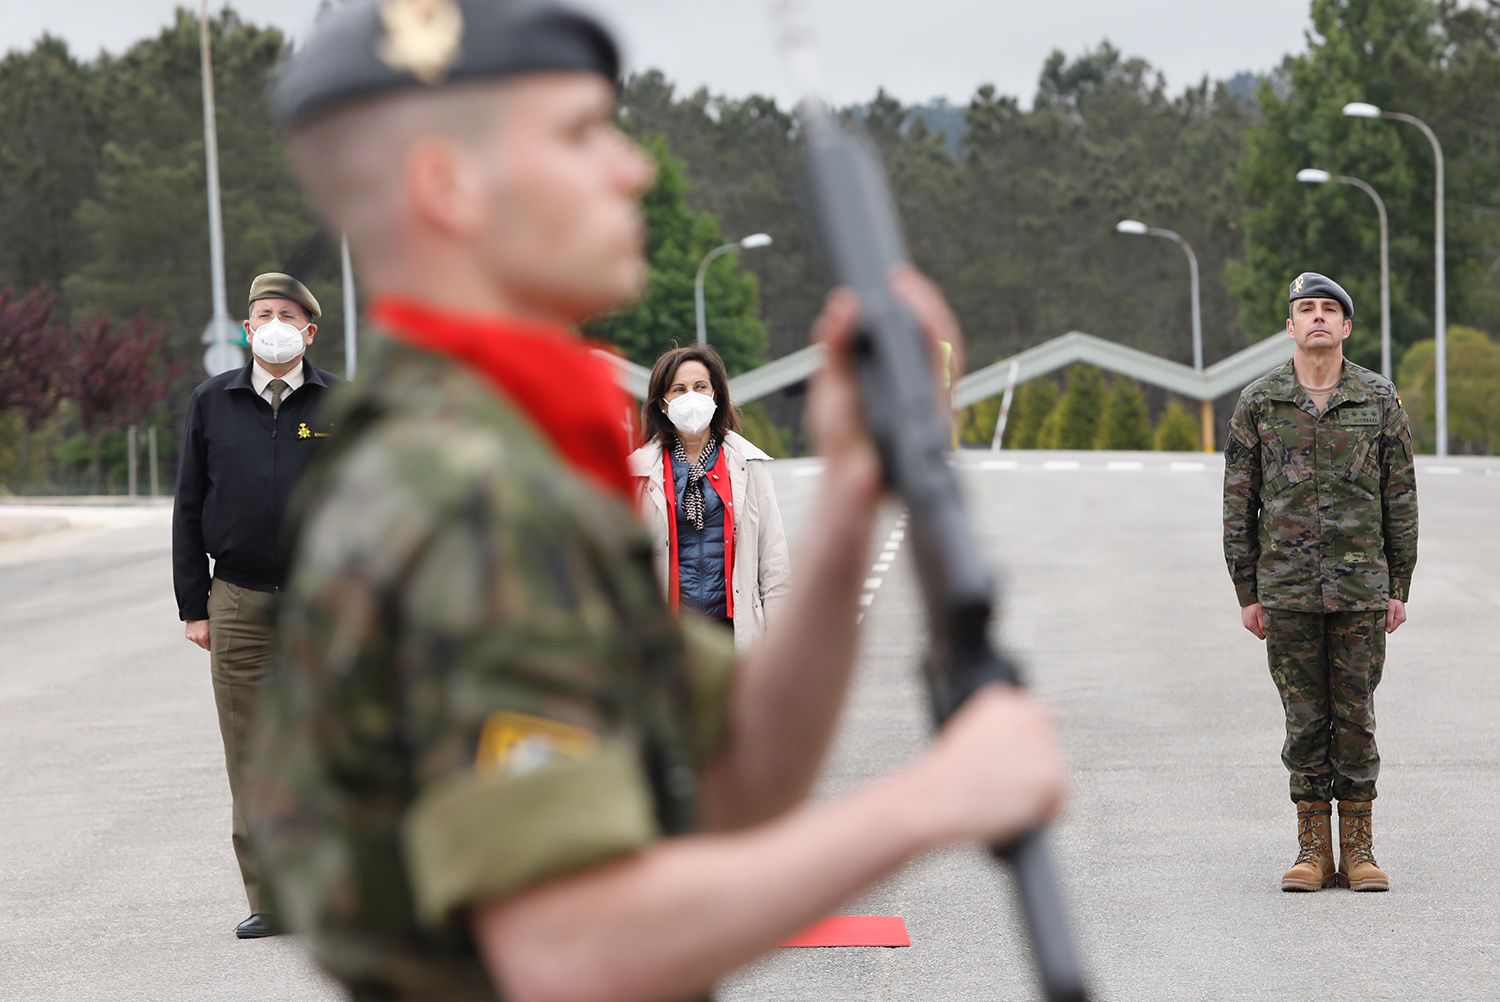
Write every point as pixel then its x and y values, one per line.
pixel 513 744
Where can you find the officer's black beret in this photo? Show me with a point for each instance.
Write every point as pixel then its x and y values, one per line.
pixel 1311 285
pixel 363 48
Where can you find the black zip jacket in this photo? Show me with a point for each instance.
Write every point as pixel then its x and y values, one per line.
pixel 238 467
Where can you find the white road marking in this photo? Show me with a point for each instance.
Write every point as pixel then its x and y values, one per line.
pixel 871 584
pixel 999 464
pixel 866 599
pixel 897 535
pixel 881 567
pixel 807 471
pixel 1123 464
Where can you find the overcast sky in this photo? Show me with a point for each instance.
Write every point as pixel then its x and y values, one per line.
pixel 916 49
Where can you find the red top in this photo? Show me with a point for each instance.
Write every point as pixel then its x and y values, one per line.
pixel 547 371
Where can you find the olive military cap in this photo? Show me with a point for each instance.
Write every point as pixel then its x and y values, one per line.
pixel 365 48
pixel 275 285
pixel 1311 285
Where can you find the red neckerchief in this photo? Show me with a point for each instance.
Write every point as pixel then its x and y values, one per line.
pixel 548 372
pixel 719 480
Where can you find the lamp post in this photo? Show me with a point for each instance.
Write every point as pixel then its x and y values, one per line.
pixel 351 310
pixel 1360 109
pixel 221 355
pixel 753 242
pixel 1311 175
pixel 1136 228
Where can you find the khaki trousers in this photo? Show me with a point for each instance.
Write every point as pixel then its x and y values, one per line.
pixel 242 648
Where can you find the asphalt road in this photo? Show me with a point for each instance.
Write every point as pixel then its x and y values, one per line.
pixel 117 880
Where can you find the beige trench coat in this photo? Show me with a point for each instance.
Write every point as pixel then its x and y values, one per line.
pixel 762 568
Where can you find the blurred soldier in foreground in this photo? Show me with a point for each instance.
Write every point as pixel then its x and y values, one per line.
pixel 1320 534
pixel 248 436
pixel 498 766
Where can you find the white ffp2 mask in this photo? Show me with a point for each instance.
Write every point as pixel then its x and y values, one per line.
pixel 691 412
pixel 277 342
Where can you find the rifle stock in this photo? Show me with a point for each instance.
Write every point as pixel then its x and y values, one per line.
pixel 857 220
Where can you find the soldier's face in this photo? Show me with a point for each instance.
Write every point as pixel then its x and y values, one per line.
pixel 563 231
pixel 1318 323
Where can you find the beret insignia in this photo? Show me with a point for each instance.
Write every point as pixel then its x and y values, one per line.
pixel 422 37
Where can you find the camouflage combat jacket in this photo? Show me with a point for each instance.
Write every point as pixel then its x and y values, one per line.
pixel 1320 510
pixel 481 685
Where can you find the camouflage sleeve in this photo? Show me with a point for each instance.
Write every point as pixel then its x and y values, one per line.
pixel 522 765
pixel 1242 503
pixel 1398 489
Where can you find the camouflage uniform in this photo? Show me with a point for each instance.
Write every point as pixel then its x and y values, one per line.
pixel 1320 527
pixel 483 686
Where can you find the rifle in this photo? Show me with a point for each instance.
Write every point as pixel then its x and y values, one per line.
pixel 855 215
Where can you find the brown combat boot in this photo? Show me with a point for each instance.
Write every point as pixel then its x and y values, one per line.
pixel 1314 869
pixel 1357 868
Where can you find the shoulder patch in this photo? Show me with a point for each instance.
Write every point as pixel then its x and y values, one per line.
pixel 513 744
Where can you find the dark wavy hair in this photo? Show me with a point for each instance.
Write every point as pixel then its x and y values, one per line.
pixel 655 425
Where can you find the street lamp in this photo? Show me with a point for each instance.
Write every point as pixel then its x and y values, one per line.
pixel 1312 175
pixel 754 241
pixel 1361 109
pixel 1136 228
pixel 221 355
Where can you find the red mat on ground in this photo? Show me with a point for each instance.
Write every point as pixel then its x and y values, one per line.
pixel 854 930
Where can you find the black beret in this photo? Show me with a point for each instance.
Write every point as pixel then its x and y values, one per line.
pixel 1311 285
pixel 363 48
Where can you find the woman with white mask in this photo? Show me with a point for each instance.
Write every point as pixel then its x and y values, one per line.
pixel 706 492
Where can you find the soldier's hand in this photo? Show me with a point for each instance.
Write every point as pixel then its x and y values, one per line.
pixel 834 420
pixel 1254 618
pixel 995 771
pixel 196 630
pixel 1395 615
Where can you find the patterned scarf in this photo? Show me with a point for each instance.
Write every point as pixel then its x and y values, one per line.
pixel 692 495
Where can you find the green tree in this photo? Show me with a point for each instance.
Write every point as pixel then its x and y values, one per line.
pixel 757 426
pixel 976 424
pixel 1473 398
pixel 1177 431
pixel 50 130
pixel 1077 421
pixel 1124 425
pixel 146 222
pixel 1033 404
pixel 678 238
pixel 1395 54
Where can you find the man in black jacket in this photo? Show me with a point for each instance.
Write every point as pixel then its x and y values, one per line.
pixel 249 434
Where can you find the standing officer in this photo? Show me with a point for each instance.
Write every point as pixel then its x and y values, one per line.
pixel 496 765
pixel 249 433
pixel 1320 534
